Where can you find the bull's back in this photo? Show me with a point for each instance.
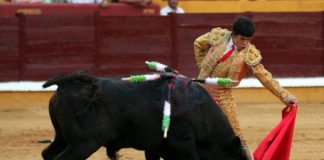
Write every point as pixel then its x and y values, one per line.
pixel 130 113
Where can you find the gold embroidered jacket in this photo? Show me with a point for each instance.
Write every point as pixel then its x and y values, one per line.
pixel 210 47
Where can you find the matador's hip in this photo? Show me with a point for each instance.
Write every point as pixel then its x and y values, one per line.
pixel 224 98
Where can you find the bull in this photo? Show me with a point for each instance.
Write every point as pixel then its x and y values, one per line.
pixel 90 112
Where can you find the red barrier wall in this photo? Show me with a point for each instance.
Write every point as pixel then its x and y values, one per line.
pixel 292 43
pixel 124 43
pixel 9 49
pixel 37 47
pixel 54 43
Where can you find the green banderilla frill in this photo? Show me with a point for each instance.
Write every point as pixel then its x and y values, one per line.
pixel 166 122
pixel 138 78
pixel 165 125
pixel 152 65
pixel 224 81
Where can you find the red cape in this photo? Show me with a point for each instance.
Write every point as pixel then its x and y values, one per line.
pixel 277 145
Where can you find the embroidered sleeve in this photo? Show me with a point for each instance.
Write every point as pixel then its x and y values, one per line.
pixel 201 46
pixel 272 85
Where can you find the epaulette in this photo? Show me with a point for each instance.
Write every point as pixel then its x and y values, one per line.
pixel 252 56
pixel 218 35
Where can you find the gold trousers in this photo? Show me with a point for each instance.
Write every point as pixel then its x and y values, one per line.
pixel 224 98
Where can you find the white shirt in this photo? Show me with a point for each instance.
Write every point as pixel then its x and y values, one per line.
pixel 167 9
pixel 229 47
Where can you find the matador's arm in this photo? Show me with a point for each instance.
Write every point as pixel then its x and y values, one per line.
pixel 253 59
pixel 201 46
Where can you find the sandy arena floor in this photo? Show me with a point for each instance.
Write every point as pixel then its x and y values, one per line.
pixel 21 127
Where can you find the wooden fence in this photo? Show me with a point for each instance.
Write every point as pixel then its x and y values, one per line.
pixel 37 47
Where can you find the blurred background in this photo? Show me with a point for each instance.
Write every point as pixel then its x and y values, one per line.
pixel 42 39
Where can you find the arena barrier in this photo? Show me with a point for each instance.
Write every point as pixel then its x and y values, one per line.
pixel 37 47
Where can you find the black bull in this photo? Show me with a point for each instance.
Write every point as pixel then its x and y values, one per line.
pixel 89 112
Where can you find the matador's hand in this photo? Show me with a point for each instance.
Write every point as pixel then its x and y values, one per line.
pixel 292 102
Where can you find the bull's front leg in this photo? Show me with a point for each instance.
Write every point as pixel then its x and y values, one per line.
pixel 79 151
pixel 54 149
pixel 57 146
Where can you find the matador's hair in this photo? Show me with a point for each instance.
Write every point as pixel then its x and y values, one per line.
pixel 244 26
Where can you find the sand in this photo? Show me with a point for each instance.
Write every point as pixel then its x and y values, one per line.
pixel 21 127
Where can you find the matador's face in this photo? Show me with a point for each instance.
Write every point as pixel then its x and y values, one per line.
pixel 241 41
